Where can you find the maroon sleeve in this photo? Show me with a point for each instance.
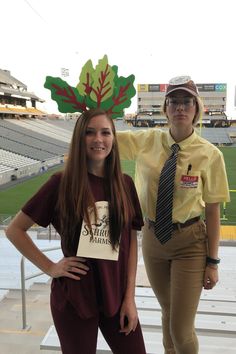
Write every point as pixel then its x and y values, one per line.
pixel 137 221
pixel 41 207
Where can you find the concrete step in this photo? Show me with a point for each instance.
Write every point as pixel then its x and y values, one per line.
pixel 12 338
pixel 203 323
pixel 212 339
pixel 209 344
pixel 210 307
pixel 212 295
pixel 3 294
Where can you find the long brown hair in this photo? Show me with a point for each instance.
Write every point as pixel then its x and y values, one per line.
pixel 75 195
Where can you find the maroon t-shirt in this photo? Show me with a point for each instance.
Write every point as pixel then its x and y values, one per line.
pixel 104 285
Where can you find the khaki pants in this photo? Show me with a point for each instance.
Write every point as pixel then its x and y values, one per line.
pixel 176 271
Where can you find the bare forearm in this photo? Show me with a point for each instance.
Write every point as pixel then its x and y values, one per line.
pixel 70 267
pixel 212 214
pixel 27 248
pixel 132 266
pixel 17 234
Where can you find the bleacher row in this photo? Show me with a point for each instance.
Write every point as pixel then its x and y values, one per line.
pixel 44 129
pixel 217 136
pixel 12 160
pixel 10 129
pixel 30 146
pixel 215 321
pixel 216 315
pixel 47 142
pixel 13 166
pixel 19 110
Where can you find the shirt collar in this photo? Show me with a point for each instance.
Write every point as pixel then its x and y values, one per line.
pixel 184 143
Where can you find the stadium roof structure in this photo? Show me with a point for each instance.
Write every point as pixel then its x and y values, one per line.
pixel 7 79
pixel 9 85
pixel 14 92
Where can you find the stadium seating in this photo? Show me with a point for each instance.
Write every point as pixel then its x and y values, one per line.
pixel 47 142
pixel 10 159
pixel 25 152
pixel 217 136
pixel 43 128
pixel 36 139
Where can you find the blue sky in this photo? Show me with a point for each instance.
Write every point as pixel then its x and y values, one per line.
pixel 154 40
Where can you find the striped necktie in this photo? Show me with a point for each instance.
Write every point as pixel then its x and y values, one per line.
pixel 163 223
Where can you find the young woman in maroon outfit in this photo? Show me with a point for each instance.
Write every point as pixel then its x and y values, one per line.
pixel 90 293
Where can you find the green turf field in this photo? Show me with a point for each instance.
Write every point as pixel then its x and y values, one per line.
pixel 230 158
pixel 12 199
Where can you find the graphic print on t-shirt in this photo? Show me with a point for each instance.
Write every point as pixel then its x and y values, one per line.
pixel 95 242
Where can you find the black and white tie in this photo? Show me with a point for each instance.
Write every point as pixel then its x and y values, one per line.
pixel 163 224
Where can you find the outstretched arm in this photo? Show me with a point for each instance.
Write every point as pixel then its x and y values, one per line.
pixel 128 313
pixel 17 234
pixel 130 143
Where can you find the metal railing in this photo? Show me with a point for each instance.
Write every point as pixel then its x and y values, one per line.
pixel 224 216
pixel 23 280
pixel 5 219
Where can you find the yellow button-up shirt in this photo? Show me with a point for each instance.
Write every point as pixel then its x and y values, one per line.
pixel 200 174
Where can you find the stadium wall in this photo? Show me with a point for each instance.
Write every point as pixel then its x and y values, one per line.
pixel 28 170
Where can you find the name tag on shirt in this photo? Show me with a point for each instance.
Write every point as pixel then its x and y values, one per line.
pixel 188 181
pixel 95 242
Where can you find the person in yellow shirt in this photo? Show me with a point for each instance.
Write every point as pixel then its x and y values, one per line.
pixel 181 266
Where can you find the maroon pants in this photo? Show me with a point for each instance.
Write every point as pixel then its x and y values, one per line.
pixel 79 336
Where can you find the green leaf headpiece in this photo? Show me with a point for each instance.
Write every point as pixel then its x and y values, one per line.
pixel 97 88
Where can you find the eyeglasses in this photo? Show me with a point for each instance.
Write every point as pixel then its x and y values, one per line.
pixel 187 102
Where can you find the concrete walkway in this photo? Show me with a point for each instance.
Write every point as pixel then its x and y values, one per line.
pixel 14 340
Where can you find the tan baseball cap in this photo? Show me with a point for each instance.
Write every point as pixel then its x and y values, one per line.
pixel 184 83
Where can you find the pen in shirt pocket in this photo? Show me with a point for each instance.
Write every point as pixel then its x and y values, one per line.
pixel 189 168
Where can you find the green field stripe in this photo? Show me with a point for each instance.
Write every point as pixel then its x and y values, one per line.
pixel 12 199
